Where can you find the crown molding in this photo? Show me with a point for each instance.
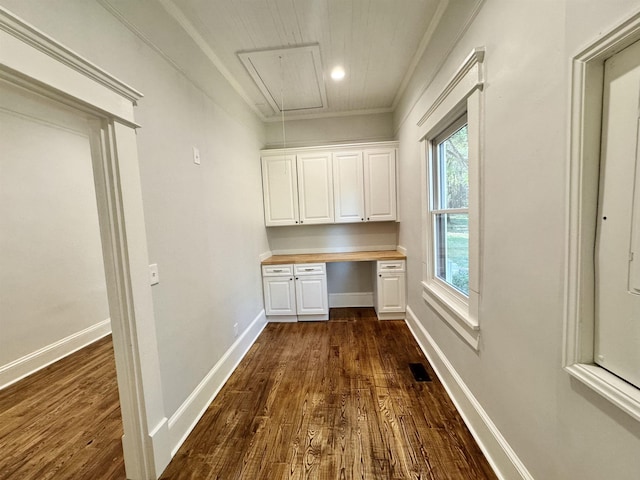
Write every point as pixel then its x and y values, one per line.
pixel 464 73
pixel 35 38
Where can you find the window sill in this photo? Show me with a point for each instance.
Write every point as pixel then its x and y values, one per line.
pixel 452 311
pixel 617 391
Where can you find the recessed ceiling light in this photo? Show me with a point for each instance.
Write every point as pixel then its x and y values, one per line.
pixel 337 73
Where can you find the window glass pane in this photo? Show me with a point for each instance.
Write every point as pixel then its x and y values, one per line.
pixel 452 249
pixel 453 171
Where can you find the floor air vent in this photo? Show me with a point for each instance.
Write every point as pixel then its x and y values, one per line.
pixel 419 372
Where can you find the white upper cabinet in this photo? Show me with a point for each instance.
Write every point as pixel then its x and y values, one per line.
pixel 315 188
pixel 280 189
pixel 348 186
pixel 342 184
pixel 380 184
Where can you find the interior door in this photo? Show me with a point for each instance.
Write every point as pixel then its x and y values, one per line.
pixel 617 256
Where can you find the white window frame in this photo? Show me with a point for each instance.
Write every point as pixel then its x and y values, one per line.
pixel 462 94
pixel 434 186
pixel 582 187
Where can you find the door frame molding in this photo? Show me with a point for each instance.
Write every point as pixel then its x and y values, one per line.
pixel 37 63
pixel 583 172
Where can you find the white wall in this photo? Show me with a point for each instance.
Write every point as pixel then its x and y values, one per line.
pixel 343 237
pixel 323 131
pixel 53 296
pixel 204 223
pixel 556 426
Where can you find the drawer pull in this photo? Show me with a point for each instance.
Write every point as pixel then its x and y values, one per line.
pixel 391 266
pixel 308 269
pixel 277 270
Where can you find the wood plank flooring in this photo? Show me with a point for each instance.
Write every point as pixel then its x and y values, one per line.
pixel 323 400
pixel 331 400
pixel 64 421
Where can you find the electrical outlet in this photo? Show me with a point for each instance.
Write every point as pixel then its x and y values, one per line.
pixel 154 276
pixel 196 156
pixel 235 330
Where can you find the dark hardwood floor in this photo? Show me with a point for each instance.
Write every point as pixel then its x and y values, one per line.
pixel 331 400
pixel 64 421
pixel 322 400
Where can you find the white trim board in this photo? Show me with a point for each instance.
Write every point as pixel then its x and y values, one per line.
pixel 495 447
pixel 31 363
pixel 356 299
pixel 184 420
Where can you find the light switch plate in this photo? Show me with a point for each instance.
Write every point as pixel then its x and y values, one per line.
pixel 196 155
pixel 154 276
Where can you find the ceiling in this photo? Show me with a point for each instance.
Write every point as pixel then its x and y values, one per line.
pixel 378 42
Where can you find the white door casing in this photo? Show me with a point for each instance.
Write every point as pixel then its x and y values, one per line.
pixel 38 64
pixel 617 328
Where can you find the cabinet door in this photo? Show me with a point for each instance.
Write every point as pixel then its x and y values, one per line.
pixel 279 295
pixel 280 190
pixel 311 295
pixel 315 188
pixel 348 187
pixel 380 184
pixel 391 293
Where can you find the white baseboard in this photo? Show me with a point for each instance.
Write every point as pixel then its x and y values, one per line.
pixel 358 299
pixel 499 453
pixel 187 416
pixel 24 366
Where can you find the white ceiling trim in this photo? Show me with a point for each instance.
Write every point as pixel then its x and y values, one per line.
pixel 344 113
pixel 435 21
pixel 188 27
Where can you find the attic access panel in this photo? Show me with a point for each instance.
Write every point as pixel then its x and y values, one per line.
pixel 289 78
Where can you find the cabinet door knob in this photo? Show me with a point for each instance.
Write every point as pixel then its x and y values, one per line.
pixel 380 275
pixel 367 218
pixel 291 279
pixel 362 219
pixel 301 221
pixel 296 221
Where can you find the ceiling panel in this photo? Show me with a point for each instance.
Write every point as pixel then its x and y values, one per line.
pixel 375 40
pixel 289 78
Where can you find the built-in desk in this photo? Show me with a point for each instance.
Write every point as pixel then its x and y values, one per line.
pixel 295 286
pixel 335 257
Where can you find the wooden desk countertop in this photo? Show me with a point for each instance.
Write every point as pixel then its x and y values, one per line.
pixel 335 257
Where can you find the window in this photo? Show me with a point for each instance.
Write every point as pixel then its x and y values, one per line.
pixel 450 133
pixel 449 177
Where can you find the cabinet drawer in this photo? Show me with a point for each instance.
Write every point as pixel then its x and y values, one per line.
pixel 390 266
pixel 309 268
pixel 277 270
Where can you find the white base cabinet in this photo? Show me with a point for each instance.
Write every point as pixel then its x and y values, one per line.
pixel 390 298
pixel 295 292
